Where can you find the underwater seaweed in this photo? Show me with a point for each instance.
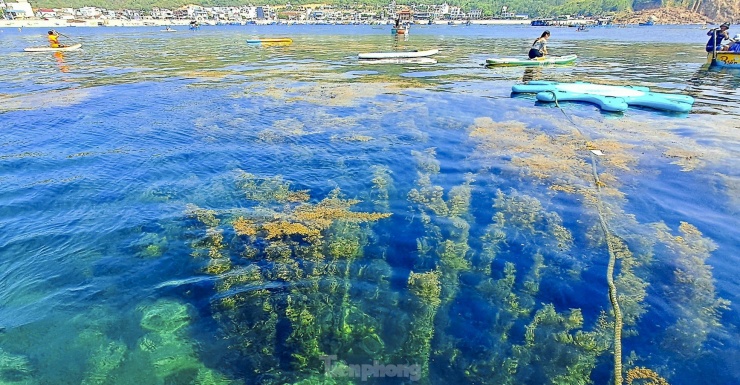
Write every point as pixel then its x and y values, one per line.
pixel 167 347
pixel 426 287
pixel 309 249
pixel 104 360
pixel 15 369
pixel 699 309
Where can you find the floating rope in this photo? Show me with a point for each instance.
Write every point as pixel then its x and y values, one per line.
pixel 612 260
pixel 610 281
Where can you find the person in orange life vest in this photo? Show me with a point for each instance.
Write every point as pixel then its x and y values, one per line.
pixel 54 40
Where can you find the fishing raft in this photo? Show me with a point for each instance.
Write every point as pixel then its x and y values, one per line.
pixel 608 98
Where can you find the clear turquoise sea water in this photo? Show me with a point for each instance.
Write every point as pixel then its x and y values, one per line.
pixel 182 208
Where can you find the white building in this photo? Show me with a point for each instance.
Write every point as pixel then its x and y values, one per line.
pixel 161 13
pixel 18 10
pixel 249 13
pixel 46 13
pixel 89 12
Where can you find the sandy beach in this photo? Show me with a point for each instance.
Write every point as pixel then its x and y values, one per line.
pixel 60 23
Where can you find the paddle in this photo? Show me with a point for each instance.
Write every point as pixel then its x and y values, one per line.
pixel 61 34
pixel 714 49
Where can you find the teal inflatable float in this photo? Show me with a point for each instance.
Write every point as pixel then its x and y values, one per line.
pixel 608 98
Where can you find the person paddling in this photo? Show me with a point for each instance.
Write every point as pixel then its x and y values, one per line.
pixel 718 35
pixel 539 47
pixel 54 40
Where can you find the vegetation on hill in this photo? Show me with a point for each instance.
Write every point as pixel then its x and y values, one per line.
pixel 534 8
pixel 531 7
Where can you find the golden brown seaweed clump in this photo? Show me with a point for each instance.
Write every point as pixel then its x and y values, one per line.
pixel 305 220
pixel 426 286
pixel 644 376
pixel 245 227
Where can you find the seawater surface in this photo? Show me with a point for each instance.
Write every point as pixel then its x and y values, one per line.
pixel 184 208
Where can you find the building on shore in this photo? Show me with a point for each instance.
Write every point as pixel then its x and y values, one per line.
pixel 17 10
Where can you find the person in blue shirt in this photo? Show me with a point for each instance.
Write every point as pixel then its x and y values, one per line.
pixel 735 47
pixel 721 34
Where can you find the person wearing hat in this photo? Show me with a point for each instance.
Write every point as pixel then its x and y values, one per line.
pixel 720 34
pixel 539 47
pixel 735 46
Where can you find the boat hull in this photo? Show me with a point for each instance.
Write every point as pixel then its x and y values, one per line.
pixel 400 54
pixel 399 31
pixel 73 47
pixel 727 59
pixel 510 61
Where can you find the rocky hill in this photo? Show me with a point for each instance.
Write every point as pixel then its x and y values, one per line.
pixel 671 15
pixel 684 11
pixel 719 10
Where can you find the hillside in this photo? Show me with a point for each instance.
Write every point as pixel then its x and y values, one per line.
pixel 718 10
pixel 665 10
pixel 668 15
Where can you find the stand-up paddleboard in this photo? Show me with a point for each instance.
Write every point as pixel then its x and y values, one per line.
pixel 400 60
pixel 167 30
pixel 545 60
pixel 270 40
pixel 73 47
pixel 399 54
pixel 608 98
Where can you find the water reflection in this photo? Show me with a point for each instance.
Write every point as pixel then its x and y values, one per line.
pixel 532 73
pixel 59 56
pixel 711 86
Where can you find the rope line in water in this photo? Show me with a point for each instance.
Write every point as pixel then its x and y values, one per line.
pixel 612 259
pixel 610 282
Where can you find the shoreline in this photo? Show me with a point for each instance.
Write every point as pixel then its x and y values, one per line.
pixel 63 23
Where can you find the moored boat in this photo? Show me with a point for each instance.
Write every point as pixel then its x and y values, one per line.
pixel 399 31
pixel 397 54
pixel 73 47
pixel 726 59
pixel 512 61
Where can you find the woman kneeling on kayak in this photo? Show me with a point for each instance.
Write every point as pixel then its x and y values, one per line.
pixel 539 47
